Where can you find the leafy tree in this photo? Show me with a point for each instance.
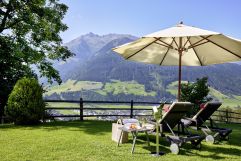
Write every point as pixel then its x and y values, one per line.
pixel 29 35
pixel 11 70
pixel 25 104
pixel 196 92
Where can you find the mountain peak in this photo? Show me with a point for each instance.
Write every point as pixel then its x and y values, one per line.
pixel 95 61
pixel 94 42
pixel 92 34
pixel 96 37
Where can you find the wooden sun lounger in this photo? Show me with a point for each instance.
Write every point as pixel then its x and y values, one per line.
pixel 212 131
pixel 171 119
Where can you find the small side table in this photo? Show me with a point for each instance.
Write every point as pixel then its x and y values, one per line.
pixel 134 133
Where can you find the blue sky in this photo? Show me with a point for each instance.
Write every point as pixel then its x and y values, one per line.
pixel 141 17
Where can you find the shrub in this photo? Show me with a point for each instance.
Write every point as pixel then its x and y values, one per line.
pixel 196 92
pixel 25 104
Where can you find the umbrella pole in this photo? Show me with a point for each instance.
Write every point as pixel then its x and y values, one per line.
pixel 180 69
pixel 179 77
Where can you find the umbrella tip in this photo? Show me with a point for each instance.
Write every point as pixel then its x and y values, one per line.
pixel 180 24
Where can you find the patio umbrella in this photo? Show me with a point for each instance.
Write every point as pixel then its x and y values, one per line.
pixel 183 46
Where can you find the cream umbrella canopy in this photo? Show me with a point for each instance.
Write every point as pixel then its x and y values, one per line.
pixel 183 46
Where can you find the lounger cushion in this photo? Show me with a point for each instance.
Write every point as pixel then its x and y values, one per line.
pixel 205 113
pixel 202 106
pixel 165 108
pixel 175 113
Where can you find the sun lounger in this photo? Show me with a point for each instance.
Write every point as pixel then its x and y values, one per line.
pixel 171 119
pixel 212 131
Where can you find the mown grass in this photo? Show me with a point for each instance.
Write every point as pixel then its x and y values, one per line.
pixel 91 141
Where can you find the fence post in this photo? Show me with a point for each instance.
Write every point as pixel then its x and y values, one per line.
pixel 131 115
pixel 227 116
pixel 81 107
pixel 1 116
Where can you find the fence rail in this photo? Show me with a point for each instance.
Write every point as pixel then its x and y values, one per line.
pixel 84 110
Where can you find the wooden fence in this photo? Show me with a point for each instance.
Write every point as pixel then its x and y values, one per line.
pixel 84 110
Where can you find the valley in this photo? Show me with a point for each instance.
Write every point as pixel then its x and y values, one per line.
pixel 116 88
pixel 98 73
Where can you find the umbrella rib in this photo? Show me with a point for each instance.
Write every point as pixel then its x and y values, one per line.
pixel 188 38
pixel 196 43
pixel 162 45
pixel 173 38
pixel 196 53
pixel 166 53
pixel 193 46
pixel 156 39
pixel 221 47
pixel 159 39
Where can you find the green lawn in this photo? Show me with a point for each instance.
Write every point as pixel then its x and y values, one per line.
pixel 91 141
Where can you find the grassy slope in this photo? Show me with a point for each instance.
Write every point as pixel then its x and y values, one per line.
pixel 227 101
pixel 91 141
pixel 67 105
pixel 60 104
pixel 115 87
pixel 131 87
pixel 73 85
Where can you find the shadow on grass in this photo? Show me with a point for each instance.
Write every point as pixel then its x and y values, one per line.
pixel 164 146
pixel 93 127
pixel 234 138
pixel 214 151
pixel 88 126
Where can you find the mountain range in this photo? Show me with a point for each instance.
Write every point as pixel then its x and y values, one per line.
pixel 94 61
